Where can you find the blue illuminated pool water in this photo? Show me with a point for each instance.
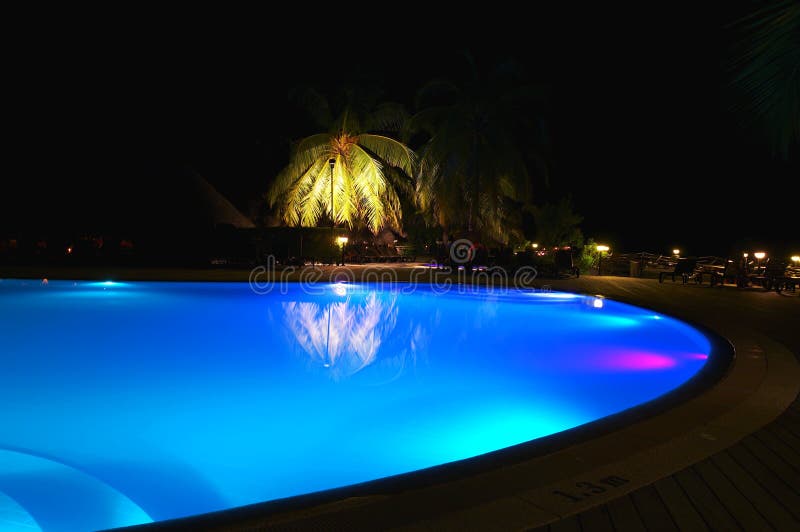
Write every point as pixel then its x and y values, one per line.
pixel 122 403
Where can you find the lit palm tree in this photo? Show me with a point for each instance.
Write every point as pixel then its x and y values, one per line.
pixel 350 174
pixel 473 169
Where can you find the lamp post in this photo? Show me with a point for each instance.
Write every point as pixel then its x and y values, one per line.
pixel 759 255
pixel 600 250
pixel 342 241
pixel 331 163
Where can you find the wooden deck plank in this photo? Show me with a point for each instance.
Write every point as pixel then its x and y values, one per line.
pixel 771 482
pixel 788 426
pixel 543 528
pixel 792 415
pixel 652 509
pixel 596 519
pixel 711 509
pixel 773 511
pixel 773 461
pixel 781 447
pixel 569 524
pixel 680 507
pixel 737 505
pixel 624 515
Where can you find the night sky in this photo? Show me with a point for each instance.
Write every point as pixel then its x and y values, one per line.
pixel 103 120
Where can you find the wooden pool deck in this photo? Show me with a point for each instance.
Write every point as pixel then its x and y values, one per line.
pixel 728 459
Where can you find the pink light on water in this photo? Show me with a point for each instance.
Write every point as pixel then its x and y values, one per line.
pixel 697 356
pixel 633 361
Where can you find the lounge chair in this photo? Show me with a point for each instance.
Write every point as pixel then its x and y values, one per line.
pixel 684 268
pixel 775 276
pixel 407 253
pixel 389 254
pixel 732 272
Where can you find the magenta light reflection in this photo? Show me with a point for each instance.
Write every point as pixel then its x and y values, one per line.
pixel 633 361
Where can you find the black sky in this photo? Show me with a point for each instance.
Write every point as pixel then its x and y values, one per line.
pixel 101 119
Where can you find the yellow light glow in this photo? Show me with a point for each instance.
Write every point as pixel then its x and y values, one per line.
pixel 745 255
pixel 676 251
pixel 535 246
pixel 602 248
pixel 342 240
pixel 760 255
pixel 795 258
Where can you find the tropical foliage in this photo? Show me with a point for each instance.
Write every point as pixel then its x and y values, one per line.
pixel 351 174
pixel 557 224
pixel 764 73
pixel 480 141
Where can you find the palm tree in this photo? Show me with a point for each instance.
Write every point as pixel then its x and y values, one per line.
pixel 557 224
pixel 764 73
pixel 480 144
pixel 351 174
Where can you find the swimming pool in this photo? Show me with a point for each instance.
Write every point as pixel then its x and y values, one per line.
pixel 126 403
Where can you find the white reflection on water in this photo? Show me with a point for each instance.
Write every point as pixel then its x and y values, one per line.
pixel 344 336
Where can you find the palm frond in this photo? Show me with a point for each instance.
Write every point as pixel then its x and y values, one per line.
pixel 314 201
pixel 348 122
pixel 370 183
pixel 391 151
pixel 297 194
pixel 387 117
pixel 426 121
pixel 764 70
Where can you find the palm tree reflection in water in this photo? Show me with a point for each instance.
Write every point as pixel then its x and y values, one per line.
pixel 346 336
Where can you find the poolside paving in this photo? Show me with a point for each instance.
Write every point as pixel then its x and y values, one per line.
pixel 729 459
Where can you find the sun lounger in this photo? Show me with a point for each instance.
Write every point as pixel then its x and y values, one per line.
pixel 683 268
pixel 774 276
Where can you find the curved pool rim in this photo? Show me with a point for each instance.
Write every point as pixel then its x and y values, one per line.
pixel 720 361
